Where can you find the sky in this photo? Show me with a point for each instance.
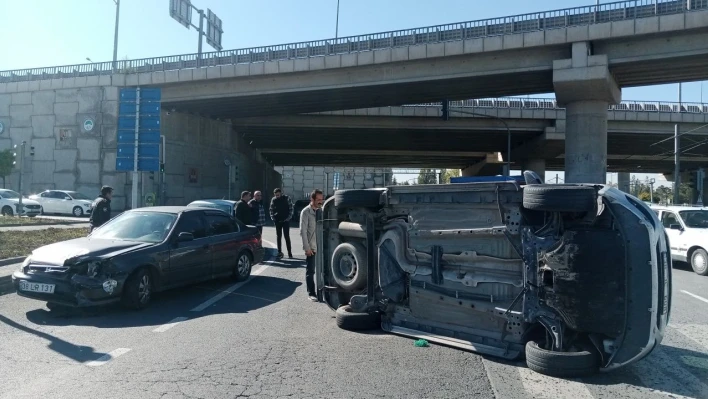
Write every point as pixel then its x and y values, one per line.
pixel 66 32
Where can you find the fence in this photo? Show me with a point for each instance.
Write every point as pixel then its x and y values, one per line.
pixel 575 16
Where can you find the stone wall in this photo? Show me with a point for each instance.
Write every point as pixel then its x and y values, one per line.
pixel 299 181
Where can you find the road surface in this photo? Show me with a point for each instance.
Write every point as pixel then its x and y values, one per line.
pixel 265 339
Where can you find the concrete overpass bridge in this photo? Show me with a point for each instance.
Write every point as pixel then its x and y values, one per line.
pixel 584 54
pixel 416 136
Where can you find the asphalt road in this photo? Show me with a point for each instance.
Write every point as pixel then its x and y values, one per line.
pixel 265 339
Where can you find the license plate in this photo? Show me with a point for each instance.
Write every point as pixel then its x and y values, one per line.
pixel 37 287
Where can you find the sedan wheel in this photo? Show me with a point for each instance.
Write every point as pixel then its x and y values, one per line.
pixel 78 212
pixel 699 262
pixel 243 267
pixel 7 211
pixel 137 291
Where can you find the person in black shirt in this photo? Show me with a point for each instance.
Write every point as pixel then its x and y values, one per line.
pixel 101 208
pixel 281 211
pixel 244 213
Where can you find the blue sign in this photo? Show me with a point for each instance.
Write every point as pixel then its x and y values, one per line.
pixel 139 113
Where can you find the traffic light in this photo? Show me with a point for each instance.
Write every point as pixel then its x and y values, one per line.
pixel 14 155
pixel 235 173
pixel 162 167
pixel 152 175
pixel 31 150
pixel 446 110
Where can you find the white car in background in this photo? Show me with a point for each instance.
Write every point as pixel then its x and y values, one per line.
pixel 9 200
pixel 63 202
pixel 687 228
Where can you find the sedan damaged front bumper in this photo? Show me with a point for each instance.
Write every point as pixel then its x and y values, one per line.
pixel 74 291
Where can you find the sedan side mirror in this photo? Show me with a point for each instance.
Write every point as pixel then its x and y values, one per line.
pixel 184 236
pixel 676 227
pixel 67 198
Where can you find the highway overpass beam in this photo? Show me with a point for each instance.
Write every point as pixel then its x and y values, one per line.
pixel 585 86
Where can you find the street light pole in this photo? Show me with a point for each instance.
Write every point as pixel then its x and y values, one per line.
pixel 336 32
pixel 115 36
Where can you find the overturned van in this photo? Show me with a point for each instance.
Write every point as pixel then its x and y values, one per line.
pixel 575 278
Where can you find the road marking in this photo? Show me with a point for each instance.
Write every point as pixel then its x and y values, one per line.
pixel 543 386
pixel 169 325
pixel 228 291
pixel 108 357
pixel 700 298
pixel 491 379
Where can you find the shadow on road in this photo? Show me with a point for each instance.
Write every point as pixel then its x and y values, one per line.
pixel 261 291
pixel 76 352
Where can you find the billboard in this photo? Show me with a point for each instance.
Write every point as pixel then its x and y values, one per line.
pixel 181 11
pixel 214 30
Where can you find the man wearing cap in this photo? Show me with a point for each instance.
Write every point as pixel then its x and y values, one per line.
pixel 101 208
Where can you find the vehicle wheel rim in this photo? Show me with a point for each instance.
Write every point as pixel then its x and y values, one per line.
pixel 77 212
pixel 699 261
pixel 347 266
pixel 243 264
pixel 144 289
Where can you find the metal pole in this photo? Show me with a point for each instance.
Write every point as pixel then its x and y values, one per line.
pixel 201 32
pixel 134 197
pixel 22 169
pixel 677 177
pixel 231 168
pixel 115 37
pixel 336 32
pixel 161 182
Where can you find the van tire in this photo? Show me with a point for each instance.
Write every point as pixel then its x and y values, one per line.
pixel 347 319
pixel 364 198
pixel 560 198
pixel 561 364
pixel 346 256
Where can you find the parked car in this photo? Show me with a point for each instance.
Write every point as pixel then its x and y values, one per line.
pixel 227 206
pixel 687 228
pixel 10 201
pixel 139 252
pixel 63 202
pixel 544 272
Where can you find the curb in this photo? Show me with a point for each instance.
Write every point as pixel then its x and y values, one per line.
pixel 11 226
pixel 9 261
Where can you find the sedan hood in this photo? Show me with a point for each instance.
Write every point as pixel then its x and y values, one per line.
pixel 73 251
pixel 25 201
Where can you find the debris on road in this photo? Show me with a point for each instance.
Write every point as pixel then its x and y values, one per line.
pixel 421 343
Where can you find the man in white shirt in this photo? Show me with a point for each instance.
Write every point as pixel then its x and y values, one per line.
pixel 308 233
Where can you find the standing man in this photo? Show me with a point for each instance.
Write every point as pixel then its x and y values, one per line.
pixel 281 211
pixel 244 213
pixel 308 230
pixel 101 208
pixel 258 210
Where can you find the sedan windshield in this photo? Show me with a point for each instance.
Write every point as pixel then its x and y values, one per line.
pixel 697 219
pixel 9 194
pixel 137 226
pixel 78 196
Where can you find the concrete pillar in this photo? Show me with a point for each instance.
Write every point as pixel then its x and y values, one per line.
pixel 623 181
pixel 585 87
pixel 536 165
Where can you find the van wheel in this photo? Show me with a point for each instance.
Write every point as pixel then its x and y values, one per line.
pixel 365 198
pixel 561 364
pixel 349 266
pixel 347 319
pixel 699 262
pixel 560 198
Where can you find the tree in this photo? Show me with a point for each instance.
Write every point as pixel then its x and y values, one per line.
pixel 662 194
pixel 6 165
pixel 448 173
pixel 394 182
pixel 427 176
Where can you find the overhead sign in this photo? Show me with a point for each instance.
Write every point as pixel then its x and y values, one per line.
pixel 214 30
pixel 139 114
pixel 181 11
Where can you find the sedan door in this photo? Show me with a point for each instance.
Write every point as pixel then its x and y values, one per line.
pixel 225 242
pixel 190 261
pixel 676 236
pixel 46 199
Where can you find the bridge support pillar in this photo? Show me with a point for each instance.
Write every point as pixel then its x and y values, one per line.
pixel 585 87
pixel 536 165
pixel 623 181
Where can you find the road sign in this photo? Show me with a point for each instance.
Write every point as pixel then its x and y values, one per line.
pixel 88 124
pixel 181 11
pixel 139 114
pixel 214 30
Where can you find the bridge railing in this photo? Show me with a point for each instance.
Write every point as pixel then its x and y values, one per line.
pixel 585 15
pixel 549 103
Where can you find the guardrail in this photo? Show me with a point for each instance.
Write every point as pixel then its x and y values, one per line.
pixel 585 15
pixel 549 103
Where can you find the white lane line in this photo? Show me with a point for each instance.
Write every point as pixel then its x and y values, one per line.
pixel 228 291
pixel 700 298
pixel 169 325
pixel 491 379
pixel 108 357
pixel 543 386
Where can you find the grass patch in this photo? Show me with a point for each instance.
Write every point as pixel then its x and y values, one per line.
pixel 23 221
pixel 22 243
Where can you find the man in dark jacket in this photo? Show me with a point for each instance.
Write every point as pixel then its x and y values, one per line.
pixel 258 211
pixel 281 211
pixel 101 208
pixel 244 213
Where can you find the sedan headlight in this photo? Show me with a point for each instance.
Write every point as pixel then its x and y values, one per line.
pixel 94 267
